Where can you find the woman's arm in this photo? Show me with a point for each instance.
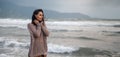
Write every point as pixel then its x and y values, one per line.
pixel 44 29
pixel 35 31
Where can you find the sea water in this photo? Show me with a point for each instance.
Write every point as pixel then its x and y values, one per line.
pixel 68 38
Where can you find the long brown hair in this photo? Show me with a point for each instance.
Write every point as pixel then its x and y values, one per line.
pixel 35 13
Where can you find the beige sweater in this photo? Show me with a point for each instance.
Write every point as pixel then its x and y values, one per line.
pixel 38 35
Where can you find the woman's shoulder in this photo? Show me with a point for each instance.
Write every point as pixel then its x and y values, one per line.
pixel 29 24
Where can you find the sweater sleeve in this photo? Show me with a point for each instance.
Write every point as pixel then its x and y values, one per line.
pixel 45 30
pixel 34 30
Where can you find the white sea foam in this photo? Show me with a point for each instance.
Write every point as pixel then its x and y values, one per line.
pixel 5 55
pixel 8 22
pixel 67 25
pixel 54 48
pixel 83 23
pixel 6 42
pixel 22 23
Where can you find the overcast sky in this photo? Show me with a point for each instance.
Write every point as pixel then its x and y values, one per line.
pixel 94 8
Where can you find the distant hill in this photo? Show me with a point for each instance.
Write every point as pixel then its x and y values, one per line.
pixel 10 10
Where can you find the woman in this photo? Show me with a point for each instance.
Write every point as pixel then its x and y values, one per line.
pixel 38 33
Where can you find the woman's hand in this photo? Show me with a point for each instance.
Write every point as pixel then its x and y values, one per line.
pixel 36 22
pixel 41 22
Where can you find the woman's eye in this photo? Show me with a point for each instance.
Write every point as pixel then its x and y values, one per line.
pixel 40 15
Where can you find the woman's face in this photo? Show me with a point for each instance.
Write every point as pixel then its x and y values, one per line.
pixel 39 16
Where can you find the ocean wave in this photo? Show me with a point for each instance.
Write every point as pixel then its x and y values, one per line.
pixel 112 33
pixel 5 55
pixel 116 25
pixel 13 46
pixel 83 23
pixel 52 48
pixel 22 23
pixel 94 52
pixel 19 23
pixel 117 32
pixel 12 43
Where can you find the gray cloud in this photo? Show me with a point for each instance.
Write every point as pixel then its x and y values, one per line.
pixel 105 9
pixel 37 3
pixel 111 3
